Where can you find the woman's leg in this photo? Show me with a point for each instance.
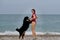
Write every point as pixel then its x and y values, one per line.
pixel 33 29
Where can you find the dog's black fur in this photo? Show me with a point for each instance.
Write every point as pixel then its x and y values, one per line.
pixel 24 27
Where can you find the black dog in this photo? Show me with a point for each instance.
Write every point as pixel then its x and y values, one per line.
pixel 24 27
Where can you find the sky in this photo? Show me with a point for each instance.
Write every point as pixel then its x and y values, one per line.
pixel 25 6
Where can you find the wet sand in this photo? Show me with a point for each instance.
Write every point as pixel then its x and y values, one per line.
pixel 29 37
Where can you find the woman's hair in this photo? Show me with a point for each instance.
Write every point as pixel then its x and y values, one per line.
pixel 34 10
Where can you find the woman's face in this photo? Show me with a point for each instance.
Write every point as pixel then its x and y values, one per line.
pixel 32 11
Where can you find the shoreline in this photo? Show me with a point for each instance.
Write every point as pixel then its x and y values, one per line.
pixel 29 37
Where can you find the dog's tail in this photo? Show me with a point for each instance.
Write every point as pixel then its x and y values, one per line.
pixel 17 29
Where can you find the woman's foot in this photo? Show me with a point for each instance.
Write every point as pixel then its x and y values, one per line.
pixel 34 38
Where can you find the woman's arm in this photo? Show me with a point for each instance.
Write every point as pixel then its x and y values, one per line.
pixel 29 20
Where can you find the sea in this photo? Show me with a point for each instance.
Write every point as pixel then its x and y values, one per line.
pixel 45 23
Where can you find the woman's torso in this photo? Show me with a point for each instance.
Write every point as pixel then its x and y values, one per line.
pixel 33 17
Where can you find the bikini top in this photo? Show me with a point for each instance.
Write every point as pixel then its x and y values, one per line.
pixel 34 19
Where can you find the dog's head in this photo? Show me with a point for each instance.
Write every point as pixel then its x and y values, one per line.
pixel 25 18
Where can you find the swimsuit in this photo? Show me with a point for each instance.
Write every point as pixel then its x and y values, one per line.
pixel 33 19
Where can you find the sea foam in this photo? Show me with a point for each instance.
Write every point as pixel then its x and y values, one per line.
pixel 29 33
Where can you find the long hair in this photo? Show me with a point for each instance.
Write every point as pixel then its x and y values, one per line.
pixel 34 11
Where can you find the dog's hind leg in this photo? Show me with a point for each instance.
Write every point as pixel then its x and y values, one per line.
pixel 23 35
pixel 20 35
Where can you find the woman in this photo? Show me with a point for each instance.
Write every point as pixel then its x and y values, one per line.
pixel 33 19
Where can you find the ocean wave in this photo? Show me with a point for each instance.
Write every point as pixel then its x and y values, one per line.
pixel 15 33
pixel 29 33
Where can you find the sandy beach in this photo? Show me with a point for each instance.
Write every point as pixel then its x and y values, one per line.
pixel 29 37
